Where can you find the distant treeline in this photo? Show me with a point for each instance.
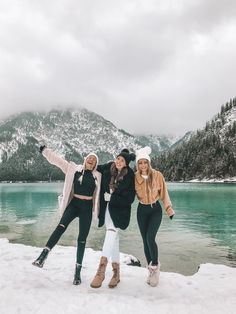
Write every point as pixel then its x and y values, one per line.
pixel 210 153
pixel 28 165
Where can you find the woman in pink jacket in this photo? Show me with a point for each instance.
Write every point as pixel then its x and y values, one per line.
pixel 80 199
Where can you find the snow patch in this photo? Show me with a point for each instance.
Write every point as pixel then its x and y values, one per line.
pixel 27 289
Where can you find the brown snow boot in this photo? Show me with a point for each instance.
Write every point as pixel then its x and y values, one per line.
pixel 116 275
pixel 100 275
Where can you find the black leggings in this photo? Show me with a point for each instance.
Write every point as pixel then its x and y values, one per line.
pixel 76 208
pixel 149 219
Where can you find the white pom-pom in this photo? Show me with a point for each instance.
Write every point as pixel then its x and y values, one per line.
pixel 147 150
pixel 137 152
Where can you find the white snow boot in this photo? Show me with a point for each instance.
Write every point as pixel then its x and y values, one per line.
pixel 154 274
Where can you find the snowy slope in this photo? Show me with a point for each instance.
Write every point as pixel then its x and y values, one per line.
pixel 27 289
pixel 82 130
pixel 79 130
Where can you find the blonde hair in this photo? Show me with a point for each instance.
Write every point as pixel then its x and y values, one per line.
pixel 149 174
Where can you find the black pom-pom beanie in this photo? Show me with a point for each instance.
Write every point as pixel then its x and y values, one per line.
pixel 127 156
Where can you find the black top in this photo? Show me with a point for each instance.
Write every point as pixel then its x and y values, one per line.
pixel 87 186
pixel 121 199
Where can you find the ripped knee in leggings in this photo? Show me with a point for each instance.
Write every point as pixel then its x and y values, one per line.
pixel 81 242
pixel 62 226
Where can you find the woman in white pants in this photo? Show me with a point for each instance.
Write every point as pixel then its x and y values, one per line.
pixel 117 195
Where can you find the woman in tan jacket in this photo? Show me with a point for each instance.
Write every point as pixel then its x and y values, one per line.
pixel 150 187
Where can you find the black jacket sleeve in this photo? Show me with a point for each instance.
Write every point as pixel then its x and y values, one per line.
pixel 104 167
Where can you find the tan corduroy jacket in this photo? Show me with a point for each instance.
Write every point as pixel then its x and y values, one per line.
pixel 159 191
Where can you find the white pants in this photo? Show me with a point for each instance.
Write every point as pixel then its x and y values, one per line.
pixel 111 242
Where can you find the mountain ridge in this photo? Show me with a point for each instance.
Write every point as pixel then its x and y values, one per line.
pixel 209 153
pixel 72 133
pixel 206 153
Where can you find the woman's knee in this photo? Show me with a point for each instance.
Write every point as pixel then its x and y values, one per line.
pixel 150 239
pixel 111 229
pixel 82 236
pixel 62 227
pixel 81 241
pixel 112 232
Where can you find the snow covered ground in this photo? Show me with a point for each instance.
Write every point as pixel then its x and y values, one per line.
pixel 27 289
pixel 225 180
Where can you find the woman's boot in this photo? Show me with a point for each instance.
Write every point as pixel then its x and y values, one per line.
pixel 42 257
pixel 116 275
pixel 154 274
pixel 100 275
pixel 77 279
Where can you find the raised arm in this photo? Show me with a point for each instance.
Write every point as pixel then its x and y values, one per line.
pixel 54 159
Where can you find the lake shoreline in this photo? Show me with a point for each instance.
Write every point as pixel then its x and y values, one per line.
pixel 229 180
pixel 201 231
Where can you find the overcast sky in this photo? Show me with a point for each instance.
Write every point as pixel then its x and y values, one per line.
pixel 153 66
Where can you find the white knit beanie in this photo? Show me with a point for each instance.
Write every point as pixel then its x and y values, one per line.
pixel 90 154
pixel 143 153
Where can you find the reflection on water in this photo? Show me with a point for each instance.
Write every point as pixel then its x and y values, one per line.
pixel 26 222
pixel 209 209
pixel 203 230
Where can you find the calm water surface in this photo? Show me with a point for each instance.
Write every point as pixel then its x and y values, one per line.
pixel 203 230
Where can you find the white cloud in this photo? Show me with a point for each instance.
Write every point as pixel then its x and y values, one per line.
pixel 152 67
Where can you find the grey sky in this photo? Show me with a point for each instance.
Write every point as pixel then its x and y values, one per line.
pixel 153 66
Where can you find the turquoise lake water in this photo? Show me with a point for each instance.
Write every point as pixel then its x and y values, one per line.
pixel 202 231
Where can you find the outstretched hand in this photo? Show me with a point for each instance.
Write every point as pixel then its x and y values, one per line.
pixel 107 197
pixel 41 148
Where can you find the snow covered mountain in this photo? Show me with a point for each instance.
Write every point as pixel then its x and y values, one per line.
pixel 72 133
pixel 80 131
pixel 159 143
pixel 209 153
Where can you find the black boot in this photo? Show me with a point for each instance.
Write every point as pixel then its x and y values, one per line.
pixel 42 257
pixel 77 279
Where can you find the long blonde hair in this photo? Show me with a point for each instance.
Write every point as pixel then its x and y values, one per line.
pixel 149 174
